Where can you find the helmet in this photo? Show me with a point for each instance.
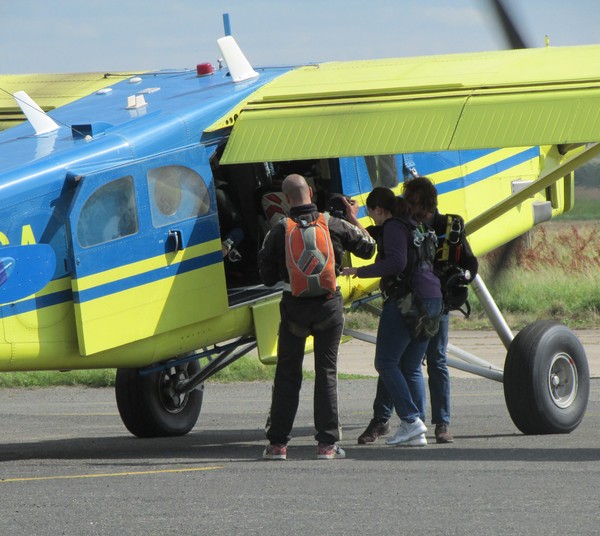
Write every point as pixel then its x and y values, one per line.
pixel 336 206
pixel 455 290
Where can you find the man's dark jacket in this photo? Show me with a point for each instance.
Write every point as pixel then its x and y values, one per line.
pixel 344 237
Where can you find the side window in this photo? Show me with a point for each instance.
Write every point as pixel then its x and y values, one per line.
pixel 383 170
pixel 108 214
pixel 176 193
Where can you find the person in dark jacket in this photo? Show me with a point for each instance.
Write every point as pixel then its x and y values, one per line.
pixel 437 368
pixel 399 352
pixel 320 316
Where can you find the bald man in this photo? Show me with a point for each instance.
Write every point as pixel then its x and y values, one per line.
pixel 320 316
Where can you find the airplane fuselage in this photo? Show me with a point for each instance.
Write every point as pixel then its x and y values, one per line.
pixel 124 192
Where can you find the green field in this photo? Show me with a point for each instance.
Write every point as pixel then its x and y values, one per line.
pixel 552 274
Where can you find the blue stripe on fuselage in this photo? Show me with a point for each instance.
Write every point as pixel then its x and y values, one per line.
pixel 148 277
pixel 488 171
pixel 432 165
pixel 63 296
pixel 33 304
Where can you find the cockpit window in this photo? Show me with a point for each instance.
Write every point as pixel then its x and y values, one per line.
pixel 108 214
pixel 383 170
pixel 176 193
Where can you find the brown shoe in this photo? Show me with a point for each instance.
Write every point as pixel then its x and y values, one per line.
pixel 442 434
pixel 375 429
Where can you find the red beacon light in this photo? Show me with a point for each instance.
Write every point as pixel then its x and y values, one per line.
pixel 204 69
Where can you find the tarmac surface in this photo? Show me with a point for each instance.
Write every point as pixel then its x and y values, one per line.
pixel 69 467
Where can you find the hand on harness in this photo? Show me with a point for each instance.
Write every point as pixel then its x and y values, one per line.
pixel 229 250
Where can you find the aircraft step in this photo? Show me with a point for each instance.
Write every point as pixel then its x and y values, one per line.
pixel 239 295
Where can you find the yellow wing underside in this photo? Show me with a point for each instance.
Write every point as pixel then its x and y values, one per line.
pixel 510 98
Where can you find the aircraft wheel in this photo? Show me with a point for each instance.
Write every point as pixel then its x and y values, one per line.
pixel 546 379
pixel 149 406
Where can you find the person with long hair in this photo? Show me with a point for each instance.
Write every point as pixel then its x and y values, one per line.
pixel 398 353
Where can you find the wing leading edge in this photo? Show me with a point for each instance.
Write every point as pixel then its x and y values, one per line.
pixel 496 99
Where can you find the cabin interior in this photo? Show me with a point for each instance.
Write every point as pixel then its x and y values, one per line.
pixel 250 202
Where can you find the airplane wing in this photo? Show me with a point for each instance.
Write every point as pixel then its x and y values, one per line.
pixel 505 98
pixel 48 90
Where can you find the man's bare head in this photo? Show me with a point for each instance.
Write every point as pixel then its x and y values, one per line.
pixel 297 190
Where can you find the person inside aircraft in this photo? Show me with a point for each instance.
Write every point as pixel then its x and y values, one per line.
pixel 319 313
pixel 231 225
pixel 411 291
pixel 236 190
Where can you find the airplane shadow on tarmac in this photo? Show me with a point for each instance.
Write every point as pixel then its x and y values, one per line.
pixel 220 446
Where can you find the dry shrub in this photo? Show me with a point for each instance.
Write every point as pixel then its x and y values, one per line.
pixel 570 248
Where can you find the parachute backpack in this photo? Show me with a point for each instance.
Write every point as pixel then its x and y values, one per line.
pixel 424 241
pixel 448 267
pixel 309 257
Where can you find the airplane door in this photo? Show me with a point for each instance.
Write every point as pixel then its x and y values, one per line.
pixel 146 252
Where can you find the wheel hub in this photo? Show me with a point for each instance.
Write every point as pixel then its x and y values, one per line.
pixel 563 381
pixel 173 401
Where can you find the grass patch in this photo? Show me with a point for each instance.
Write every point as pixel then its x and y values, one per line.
pixel 86 378
pixel 362 320
pixel 553 274
pixel 246 368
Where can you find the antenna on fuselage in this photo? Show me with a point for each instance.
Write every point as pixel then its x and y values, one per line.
pixel 239 67
pixel 226 24
pixel 41 122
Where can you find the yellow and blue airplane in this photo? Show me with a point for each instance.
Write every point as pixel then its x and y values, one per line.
pixel 112 233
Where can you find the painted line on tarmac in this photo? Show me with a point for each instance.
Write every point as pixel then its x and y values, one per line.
pixel 104 475
pixel 111 414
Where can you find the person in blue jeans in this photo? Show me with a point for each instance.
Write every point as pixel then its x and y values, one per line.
pixel 399 353
pixel 439 391
pixel 437 369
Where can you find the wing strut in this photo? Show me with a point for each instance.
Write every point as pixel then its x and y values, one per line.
pixel 536 186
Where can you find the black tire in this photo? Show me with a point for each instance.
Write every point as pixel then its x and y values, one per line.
pixel 148 405
pixel 546 379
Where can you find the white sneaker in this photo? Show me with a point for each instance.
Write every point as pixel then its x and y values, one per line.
pixel 419 441
pixel 406 431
